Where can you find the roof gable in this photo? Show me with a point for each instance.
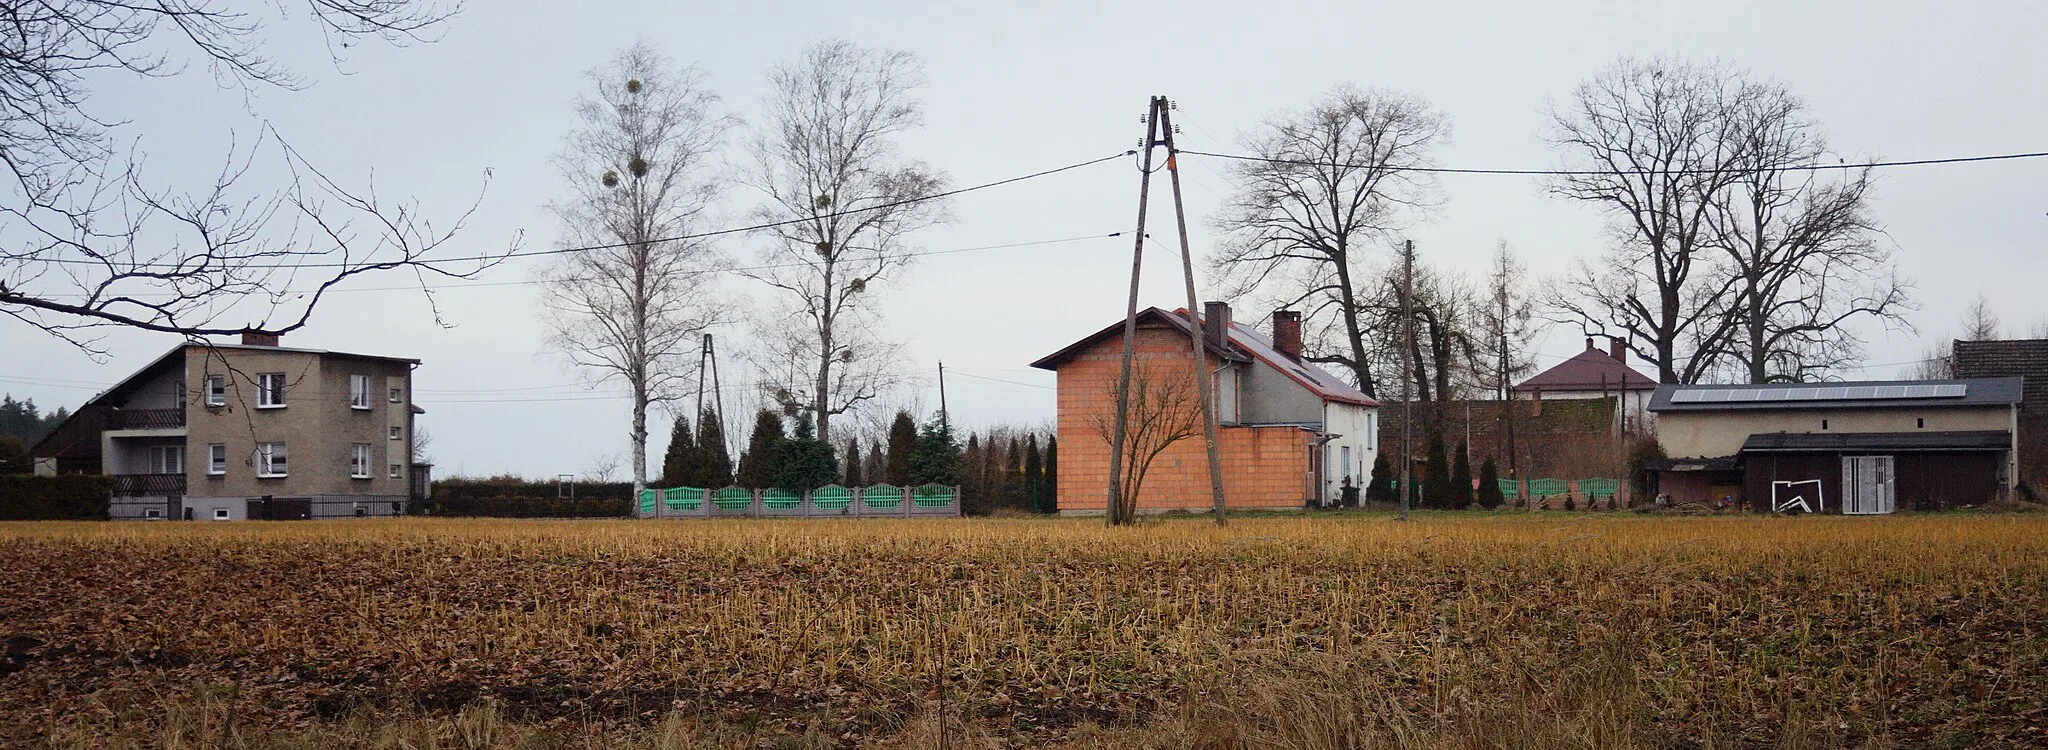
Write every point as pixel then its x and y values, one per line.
pixel 1589 370
pixel 1244 345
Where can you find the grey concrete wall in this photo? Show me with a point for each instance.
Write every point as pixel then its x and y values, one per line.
pixel 1272 397
pixel 1687 434
pixel 317 425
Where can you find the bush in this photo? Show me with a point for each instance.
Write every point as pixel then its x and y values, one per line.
pixel 536 507
pixel 1490 496
pixel 26 497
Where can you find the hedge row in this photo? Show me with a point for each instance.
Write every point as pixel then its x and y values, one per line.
pixel 460 488
pixel 26 497
pixel 533 507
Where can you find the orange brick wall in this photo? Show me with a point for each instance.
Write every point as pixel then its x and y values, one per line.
pixel 1263 467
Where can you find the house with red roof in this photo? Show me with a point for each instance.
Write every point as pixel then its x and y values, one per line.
pixel 1594 373
pixel 1290 434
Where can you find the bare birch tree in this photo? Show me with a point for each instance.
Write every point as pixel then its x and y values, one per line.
pixel 1800 245
pixel 1650 134
pixel 1334 179
pixel 1507 326
pixel 845 201
pixel 89 239
pixel 1162 411
pixel 639 174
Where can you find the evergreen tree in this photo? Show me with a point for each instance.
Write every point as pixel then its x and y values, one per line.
pixel 1436 477
pixel 935 456
pixel 878 463
pixel 713 466
pixel 1380 489
pixel 757 465
pixel 803 462
pixel 1034 475
pixel 1490 496
pixel 679 462
pixel 1461 480
pixel 14 457
pixel 23 420
pixel 1052 474
pixel 853 476
pixel 974 492
pixel 1013 476
pixel 902 440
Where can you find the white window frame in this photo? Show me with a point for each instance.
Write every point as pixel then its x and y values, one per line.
pixel 398 395
pixel 163 457
pixel 270 390
pixel 397 471
pixel 153 513
pixel 222 514
pixel 397 432
pixel 216 390
pixel 359 461
pixel 359 392
pixel 217 459
pixel 270 457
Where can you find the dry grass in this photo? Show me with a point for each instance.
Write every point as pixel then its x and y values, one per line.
pixel 1455 631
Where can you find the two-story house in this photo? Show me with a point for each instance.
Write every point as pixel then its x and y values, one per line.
pixel 247 431
pixel 1290 433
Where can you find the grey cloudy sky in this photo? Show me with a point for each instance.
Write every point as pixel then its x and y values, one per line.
pixel 1019 87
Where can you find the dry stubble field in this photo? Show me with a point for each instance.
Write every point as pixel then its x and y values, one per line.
pixel 1493 630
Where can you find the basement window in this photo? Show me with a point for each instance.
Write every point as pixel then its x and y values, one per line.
pixel 157 513
pixel 220 514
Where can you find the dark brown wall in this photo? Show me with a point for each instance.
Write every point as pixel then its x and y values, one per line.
pixel 1559 438
pixel 1924 481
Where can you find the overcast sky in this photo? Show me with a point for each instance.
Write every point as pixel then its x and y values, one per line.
pixel 1019 87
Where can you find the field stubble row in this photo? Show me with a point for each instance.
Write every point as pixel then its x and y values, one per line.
pixel 1707 632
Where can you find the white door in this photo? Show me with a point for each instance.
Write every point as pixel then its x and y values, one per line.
pixel 1867 485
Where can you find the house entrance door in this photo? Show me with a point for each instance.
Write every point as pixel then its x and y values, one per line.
pixel 1867 485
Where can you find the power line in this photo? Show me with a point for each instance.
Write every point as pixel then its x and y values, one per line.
pixel 1595 172
pixel 677 238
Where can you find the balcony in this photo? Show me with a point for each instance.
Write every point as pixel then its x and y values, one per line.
pixel 144 485
pixel 145 419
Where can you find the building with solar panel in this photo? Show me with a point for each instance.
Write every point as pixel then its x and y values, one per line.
pixel 1857 448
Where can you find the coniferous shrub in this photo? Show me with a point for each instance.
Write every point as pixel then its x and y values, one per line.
pixel 1461 480
pixel 1380 489
pixel 1436 477
pixel 757 465
pixel 1489 494
pixel 802 461
pixel 902 441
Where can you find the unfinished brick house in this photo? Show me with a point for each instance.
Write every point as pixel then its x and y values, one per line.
pixel 1290 434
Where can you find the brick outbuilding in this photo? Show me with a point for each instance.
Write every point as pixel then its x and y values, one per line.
pixel 1290 434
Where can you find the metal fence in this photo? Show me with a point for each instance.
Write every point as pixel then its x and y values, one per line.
pixel 830 501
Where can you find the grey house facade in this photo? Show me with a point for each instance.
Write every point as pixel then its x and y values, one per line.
pixel 254 430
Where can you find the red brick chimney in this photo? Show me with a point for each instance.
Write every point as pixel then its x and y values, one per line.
pixel 253 337
pixel 1216 323
pixel 1287 333
pixel 1618 349
pixel 1589 344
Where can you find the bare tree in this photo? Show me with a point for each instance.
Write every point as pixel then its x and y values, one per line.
pixel 1333 179
pixel 1647 140
pixel 844 201
pixel 421 441
pixel 638 171
pixel 1980 320
pixel 89 240
pixel 1163 411
pixel 1798 243
pixel 1979 323
pixel 1506 327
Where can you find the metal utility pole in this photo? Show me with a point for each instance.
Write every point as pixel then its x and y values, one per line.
pixel 1187 272
pixel 1407 376
pixel 944 419
pixel 1123 382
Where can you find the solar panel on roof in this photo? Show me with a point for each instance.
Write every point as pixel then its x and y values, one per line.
pixel 1860 392
pixel 1890 391
pixel 1951 390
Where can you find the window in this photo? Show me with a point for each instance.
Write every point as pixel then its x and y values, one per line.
pixel 270 460
pixel 397 472
pixel 217 459
pixel 359 391
pixel 398 395
pixel 270 390
pixel 1920 422
pixel 1347 462
pixel 1823 424
pixel 216 390
pixel 359 461
pixel 153 513
pixel 167 459
pixel 220 514
pixel 395 432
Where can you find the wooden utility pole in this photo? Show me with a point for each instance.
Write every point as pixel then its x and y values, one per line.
pixel 1195 322
pixel 1123 380
pixel 717 395
pixel 1407 376
pixel 945 419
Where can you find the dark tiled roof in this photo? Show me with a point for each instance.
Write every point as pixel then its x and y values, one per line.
pixel 1590 370
pixel 2027 358
pixel 1978 392
pixel 1244 346
pixel 1781 442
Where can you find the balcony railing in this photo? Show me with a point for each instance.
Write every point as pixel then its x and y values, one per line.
pixel 145 419
pixel 132 485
